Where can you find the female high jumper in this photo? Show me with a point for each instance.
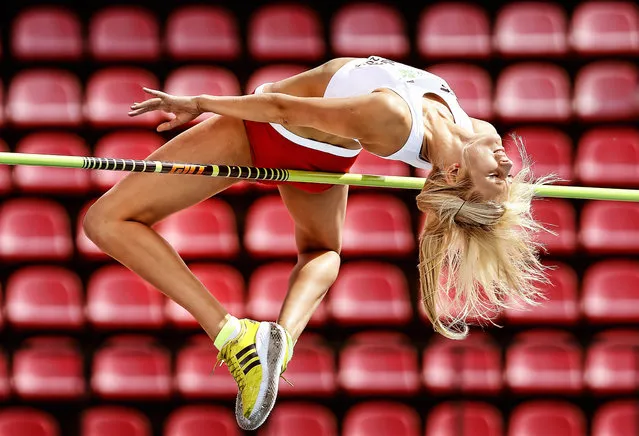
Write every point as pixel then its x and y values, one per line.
pixel 477 247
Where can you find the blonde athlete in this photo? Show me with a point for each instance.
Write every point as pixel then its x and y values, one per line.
pixel 476 248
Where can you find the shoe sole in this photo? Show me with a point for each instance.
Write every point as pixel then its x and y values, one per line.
pixel 271 355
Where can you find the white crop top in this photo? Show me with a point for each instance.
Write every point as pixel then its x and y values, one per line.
pixel 364 75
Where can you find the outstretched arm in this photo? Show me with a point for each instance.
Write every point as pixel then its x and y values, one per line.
pixel 377 117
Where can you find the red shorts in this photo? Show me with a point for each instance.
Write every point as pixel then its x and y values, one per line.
pixel 269 149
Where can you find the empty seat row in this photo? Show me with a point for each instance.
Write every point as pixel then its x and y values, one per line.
pixel 286 31
pixel 524 92
pixel 535 362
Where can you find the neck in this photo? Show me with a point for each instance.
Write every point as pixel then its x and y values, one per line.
pixel 443 141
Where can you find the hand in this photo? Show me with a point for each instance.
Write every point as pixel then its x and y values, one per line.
pixel 184 108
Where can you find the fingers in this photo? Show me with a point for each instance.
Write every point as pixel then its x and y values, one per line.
pixel 154 92
pixel 145 106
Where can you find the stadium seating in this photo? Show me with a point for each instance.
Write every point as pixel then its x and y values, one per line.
pixel 472 84
pixel 27 421
pixel 609 227
pixel 5 171
pixel 360 29
pixel 547 417
pixel 285 32
pixel 46 180
pixel 47 33
pixel 312 372
pixel 44 97
pixel 5 383
pixel 379 418
pixel 110 420
pixel 370 293
pixel 608 156
pixel 124 33
pixel 267 288
pixel 607 91
pixel 117 299
pixel 544 362
pixel 193 420
pixel 611 366
pixel 605 28
pixel 454 30
pixel 472 366
pixel 466 418
pixel 617 418
pixel 269 229
pixel 44 297
pixel 202 32
pixel 533 92
pixel 292 419
pixel 559 217
pixel 271 73
pixel 223 281
pixel 531 29
pixel 609 291
pixel 131 368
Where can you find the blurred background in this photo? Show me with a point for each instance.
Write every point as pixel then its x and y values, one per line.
pixel 88 349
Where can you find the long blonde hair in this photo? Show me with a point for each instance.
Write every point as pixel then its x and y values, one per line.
pixel 478 257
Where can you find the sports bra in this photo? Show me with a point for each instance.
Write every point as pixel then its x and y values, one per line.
pixel 364 75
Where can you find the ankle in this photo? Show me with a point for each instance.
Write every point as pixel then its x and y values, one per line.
pixel 230 328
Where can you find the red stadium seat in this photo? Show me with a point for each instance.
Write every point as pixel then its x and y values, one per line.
pixel 370 293
pixel 196 80
pixel 618 418
pixel 46 180
pixel 48 369
pixel 271 73
pixel 605 28
pixel 202 32
pixel 472 86
pixel 610 227
pixel 34 230
pixel 607 91
pixel 110 92
pixel 47 33
pixel 550 149
pixel 267 288
pixel 611 366
pixel 454 30
pixel 44 97
pixel 5 383
pixel 26 421
pixel 312 371
pixel 471 366
pixel 118 298
pixel 558 216
pixel 543 363
pixel 561 305
pixel 1 103
pixel 223 281
pixel 377 224
pixel 385 366
pixel 608 156
pixel 609 291
pixel 205 230
pixel 86 248
pixel 122 145
pixel 359 29
pixel 45 297
pixel 533 92
pixel 133 368
pixel 380 418
pixel 124 33
pixel 5 170
pixel 294 419
pixel 531 29
pixel 193 366
pixel 285 31
pixel 195 420
pixel 114 420
pixel 468 418
pixel 269 230
pixel 549 417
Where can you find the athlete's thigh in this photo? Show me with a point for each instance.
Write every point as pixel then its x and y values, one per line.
pixel 319 217
pixel 150 197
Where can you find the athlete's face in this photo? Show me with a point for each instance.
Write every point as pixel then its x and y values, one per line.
pixel 489 167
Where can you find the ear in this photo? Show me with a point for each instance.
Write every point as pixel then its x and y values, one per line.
pixel 451 173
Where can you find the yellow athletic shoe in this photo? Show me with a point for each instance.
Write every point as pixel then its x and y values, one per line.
pixel 255 358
